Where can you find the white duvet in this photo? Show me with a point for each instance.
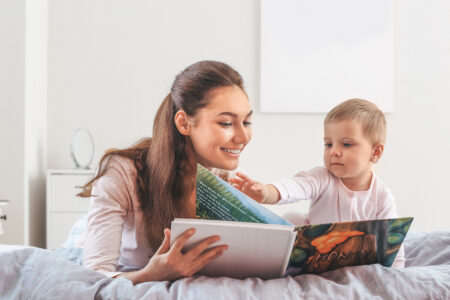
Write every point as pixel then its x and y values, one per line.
pixel 33 273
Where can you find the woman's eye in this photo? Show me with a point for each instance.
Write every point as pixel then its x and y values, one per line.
pixel 225 124
pixel 247 123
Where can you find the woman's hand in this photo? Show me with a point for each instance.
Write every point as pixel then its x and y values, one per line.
pixel 170 263
pixel 263 193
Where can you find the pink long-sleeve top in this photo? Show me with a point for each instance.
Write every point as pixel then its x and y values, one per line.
pixel 115 236
pixel 332 201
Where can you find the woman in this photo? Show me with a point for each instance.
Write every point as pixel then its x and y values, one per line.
pixel 138 191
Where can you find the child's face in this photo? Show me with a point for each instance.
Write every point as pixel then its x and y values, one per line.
pixel 348 153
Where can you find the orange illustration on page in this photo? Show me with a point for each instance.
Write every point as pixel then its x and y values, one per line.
pixel 326 243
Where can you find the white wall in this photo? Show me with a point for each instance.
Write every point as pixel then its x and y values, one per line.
pixel 112 62
pixel 12 115
pixel 417 159
pixel 23 85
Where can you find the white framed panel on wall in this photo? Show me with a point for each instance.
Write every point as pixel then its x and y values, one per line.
pixel 315 54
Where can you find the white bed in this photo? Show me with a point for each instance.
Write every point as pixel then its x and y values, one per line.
pixel 34 273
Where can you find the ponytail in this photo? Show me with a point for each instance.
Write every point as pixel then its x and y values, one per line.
pixel 166 186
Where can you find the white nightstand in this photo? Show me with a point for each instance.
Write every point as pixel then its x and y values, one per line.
pixel 63 206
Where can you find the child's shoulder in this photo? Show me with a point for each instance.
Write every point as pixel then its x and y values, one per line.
pixel 321 171
pixel 380 187
pixel 318 173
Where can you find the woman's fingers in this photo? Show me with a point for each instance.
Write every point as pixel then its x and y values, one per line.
pixel 207 257
pixel 176 264
pixel 169 263
pixel 181 240
pixel 165 246
pixel 202 246
pixel 199 256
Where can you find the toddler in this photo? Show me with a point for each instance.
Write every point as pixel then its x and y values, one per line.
pixel 346 189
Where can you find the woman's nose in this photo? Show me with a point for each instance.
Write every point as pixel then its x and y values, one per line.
pixel 242 135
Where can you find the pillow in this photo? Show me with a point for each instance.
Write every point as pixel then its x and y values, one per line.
pixel 70 250
pixel 76 231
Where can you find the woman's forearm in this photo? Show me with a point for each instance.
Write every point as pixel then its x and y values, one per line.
pixel 135 277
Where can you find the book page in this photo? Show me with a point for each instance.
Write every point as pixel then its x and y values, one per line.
pixel 324 247
pixel 218 200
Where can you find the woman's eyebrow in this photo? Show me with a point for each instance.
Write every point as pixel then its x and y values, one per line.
pixel 233 115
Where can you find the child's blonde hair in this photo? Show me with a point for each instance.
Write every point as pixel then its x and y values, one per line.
pixel 368 114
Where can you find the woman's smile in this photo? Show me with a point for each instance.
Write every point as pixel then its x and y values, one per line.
pixel 232 152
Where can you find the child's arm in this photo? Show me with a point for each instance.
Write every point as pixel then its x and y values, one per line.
pixel 263 193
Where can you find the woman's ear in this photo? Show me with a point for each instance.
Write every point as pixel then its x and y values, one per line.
pixel 182 122
pixel 377 152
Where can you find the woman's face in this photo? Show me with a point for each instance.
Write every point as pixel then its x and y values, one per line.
pixel 220 131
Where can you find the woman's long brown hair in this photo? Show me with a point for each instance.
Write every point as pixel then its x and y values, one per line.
pixel 163 183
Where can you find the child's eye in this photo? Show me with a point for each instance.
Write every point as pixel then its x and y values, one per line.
pixel 347 145
pixel 328 145
pixel 225 124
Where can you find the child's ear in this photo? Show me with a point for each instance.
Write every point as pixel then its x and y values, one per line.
pixel 377 152
pixel 182 122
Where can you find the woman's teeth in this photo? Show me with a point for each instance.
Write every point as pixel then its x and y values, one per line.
pixel 232 151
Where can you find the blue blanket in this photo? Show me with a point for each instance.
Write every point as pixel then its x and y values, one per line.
pixel 34 273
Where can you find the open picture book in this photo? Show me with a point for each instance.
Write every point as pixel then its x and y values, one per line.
pixel 263 244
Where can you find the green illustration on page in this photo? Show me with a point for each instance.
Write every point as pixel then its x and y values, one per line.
pixel 218 200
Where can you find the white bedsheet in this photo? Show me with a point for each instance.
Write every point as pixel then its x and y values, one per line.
pixel 33 273
pixel 5 247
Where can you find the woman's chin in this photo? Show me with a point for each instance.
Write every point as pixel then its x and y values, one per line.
pixel 228 164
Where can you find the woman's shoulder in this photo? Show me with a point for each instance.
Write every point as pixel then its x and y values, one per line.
pixel 117 182
pixel 121 161
pixel 120 167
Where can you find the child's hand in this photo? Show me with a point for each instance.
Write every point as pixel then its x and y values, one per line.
pixel 255 190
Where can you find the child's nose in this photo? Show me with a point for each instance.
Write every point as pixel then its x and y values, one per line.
pixel 335 151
